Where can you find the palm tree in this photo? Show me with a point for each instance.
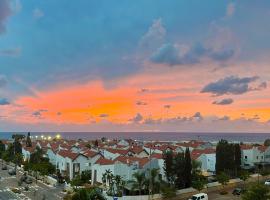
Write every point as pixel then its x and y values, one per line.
pixel 119 183
pixel 139 182
pixel 154 180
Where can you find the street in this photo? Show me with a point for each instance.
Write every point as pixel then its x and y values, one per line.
pixel 37 191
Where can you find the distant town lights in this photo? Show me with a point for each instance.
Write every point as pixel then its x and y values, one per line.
pixel 49 137
pixel 58 136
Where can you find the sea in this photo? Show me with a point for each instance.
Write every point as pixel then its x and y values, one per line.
pixel 153 136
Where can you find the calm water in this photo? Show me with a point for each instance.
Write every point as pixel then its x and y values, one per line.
pixel 164 136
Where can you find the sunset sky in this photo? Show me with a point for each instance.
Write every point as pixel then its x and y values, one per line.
pixel 135 65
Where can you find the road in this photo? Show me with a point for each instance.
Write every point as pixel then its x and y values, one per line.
pixel 37 191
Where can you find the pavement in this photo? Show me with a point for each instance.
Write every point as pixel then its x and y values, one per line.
pixel 37 190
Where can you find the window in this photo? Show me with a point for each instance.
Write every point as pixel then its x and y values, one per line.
pixel 245 157
pixel 262 157
pixel 257 157
pixel 202 197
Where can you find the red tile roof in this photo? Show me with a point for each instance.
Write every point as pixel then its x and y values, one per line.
pixel 157 156
pixel 262 148
pixel 196 153
pixel 104 161
pixel 246 147
pixel 90 154
pixel 68 154
pixel 119 151
pixel 130 160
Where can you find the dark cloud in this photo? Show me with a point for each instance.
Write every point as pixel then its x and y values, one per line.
pixel 224 118
pixel 224 102
pixel 141 103
pixel 58 113
pixel 262 86
pixel 232 85
pixel 144 90
pixel 138 118
pixel 5 12
pixel 39 112
pixel 167 106
pixel 176 55
pixel 4 102
pixel 103 115
pixel 197 116
pixel 151 121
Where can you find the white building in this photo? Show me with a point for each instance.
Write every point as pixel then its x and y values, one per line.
pixel 207 158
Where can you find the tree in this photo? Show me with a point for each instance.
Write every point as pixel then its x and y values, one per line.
pixel 237 157
pixel 223 179
pixel 86 194
pixel 267 142
pixel 257 192
pixel 168 192
pixel 2 148
pixel 28 140
pixel 199 183
pixel 196 168
pixel 244 175
pixel 153 182
pixel 187 169
pixel 225 157
pixel 139 182
pixel 179 170
pixel 119 184
pixel 168 166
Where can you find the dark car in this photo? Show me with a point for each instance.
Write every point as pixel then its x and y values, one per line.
pixel 237 191
pixel 12 172
pixel 4 167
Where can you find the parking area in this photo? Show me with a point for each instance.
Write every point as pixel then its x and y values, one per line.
pixel 33 191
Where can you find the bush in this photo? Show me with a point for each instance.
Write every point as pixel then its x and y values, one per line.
pixel 15 190
pixel 265 172
pixel 223 192
pixel 168 192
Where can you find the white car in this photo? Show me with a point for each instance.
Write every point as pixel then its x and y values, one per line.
pixel 200 196
pixel 267 182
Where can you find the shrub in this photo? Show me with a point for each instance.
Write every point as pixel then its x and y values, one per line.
pixel 223 192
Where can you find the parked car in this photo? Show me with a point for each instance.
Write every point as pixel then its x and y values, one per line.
pixel 237 191
pixel 267 182
pixel 4 167
pixel 12 172
pixel 200 196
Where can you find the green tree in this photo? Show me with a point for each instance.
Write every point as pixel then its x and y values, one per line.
pixel 244 175
pixel 225 157
pixel 267 142
pixel 168 192
pixel 179 170
pixel 257 192
pixel 187 169
pixel 153 182
pixel 28 140
pixel 119 184
pixel 139 182
pixel 169 166
pixel 196 167
pixel 223 179
pixel 199 183
pixel 237 158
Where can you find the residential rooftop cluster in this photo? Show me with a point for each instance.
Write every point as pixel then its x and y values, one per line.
pixel 124 157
